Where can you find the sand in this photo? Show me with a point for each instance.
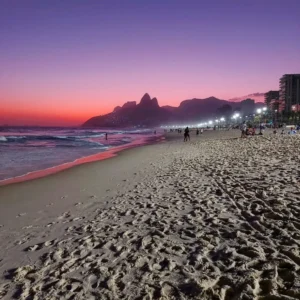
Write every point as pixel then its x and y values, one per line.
pixel 214 218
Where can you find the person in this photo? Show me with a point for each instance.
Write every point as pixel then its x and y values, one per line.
pixel 186 134
pixel 106 135
pixel 243 129
pixel 197 132
pixel 261 129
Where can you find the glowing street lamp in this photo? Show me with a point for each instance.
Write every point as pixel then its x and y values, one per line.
pixel 259 111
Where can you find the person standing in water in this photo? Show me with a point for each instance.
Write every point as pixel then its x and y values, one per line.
pixel 186 134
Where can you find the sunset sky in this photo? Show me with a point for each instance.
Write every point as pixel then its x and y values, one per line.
pixel 62 62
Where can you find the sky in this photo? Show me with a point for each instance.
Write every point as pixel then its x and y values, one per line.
pixel 62 62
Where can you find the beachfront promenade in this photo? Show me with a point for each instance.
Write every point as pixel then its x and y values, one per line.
pixel 213 218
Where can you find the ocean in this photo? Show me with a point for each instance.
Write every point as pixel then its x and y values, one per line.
pixel 24 150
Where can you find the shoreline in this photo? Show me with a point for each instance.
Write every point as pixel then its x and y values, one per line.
pixel 83 160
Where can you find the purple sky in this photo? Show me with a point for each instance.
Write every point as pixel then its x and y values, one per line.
pixel 65 61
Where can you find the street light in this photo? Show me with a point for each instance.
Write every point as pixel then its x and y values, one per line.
pixel 259 111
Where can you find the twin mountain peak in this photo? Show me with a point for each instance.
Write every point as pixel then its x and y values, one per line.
pixel 148 113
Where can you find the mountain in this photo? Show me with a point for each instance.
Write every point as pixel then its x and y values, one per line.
pixel 148 113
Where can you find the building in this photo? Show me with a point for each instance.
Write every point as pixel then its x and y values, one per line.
pixel 271 100
pixel 248 106
pixel 289 94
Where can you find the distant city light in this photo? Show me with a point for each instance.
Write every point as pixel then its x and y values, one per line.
pixel 259 110
pixel 210 122
pixel 222 119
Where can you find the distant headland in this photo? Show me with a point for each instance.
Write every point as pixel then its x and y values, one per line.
pixel 148 112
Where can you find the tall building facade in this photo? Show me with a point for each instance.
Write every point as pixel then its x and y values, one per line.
pixel 272 100
pixel 289 93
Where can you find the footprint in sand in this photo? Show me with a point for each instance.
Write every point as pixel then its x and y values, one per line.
pixel 27 227
pixel 20 215
pixel 77 219
pixel 3 290
pixel 40 246
pixel 65 215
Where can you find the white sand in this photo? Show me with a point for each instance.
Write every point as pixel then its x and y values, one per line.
pixel 208 219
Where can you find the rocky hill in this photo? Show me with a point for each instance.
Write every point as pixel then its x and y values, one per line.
pixel 148 113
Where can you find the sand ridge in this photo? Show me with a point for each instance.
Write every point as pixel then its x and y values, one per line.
pixel 215 219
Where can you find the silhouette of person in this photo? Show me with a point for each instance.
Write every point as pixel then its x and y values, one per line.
pixel 197 132
pixel 106 136
pixel 186 134
pixel 243 129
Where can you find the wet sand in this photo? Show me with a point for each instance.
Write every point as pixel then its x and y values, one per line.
pixel 214 218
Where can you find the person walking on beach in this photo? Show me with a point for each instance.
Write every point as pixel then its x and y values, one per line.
pixel 186 134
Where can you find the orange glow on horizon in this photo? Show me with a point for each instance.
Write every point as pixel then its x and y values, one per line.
pixel 66 109
pixel 35 113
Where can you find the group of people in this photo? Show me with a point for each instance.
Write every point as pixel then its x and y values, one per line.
pixel 246 131
pixel 187 133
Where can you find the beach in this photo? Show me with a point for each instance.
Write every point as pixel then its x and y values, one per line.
pixel 213 218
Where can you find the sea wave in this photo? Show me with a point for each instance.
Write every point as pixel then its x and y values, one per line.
pixel 11 138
